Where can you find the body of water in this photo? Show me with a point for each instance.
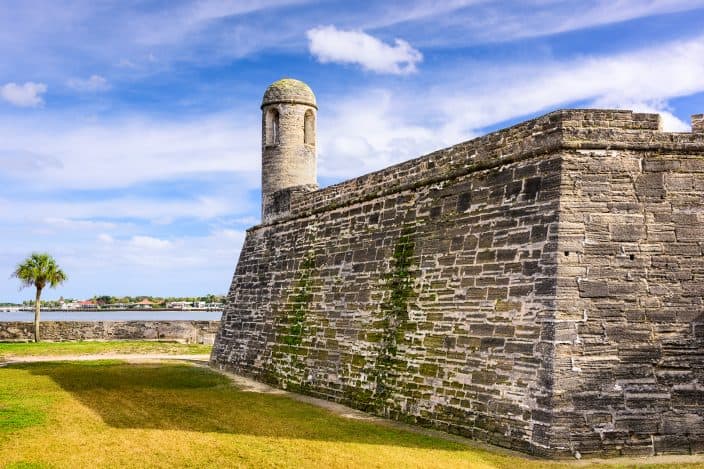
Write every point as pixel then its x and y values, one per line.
pixel 131 315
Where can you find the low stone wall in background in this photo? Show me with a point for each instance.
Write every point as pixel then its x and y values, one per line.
pixel 199 332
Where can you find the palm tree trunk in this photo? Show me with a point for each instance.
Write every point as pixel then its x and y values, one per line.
pixel 37 314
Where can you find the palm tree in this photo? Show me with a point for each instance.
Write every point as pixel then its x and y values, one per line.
pixel 39 270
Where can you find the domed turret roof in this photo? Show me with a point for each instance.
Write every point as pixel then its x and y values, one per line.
pixel 288 90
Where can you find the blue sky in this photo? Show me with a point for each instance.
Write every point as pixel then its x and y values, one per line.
pixel 129 130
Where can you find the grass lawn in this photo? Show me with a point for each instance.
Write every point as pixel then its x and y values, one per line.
pixel 112 414
pixel 9 350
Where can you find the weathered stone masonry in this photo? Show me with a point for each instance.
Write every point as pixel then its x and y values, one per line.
pixel 200 332
pixel 538 288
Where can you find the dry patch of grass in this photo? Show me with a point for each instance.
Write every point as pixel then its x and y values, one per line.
pixel 112 414
pixel 11 350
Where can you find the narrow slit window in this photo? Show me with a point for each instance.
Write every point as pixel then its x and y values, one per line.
pixel 272 126
pixel 309 128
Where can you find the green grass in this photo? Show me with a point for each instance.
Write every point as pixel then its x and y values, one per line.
pixel 112 414
pixel 9 350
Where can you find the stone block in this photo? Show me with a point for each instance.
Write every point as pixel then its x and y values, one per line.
pixel 627 233
pixel 593 289
pixel 698 123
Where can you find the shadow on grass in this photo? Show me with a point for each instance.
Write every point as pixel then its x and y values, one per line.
pixel 169 396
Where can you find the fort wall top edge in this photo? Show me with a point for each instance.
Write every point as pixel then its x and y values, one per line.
pixel 561 129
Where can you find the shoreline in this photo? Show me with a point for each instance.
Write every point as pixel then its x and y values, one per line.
pixel 55 310
pixel 113 315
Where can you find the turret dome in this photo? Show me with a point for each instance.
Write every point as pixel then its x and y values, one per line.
pixel 291 91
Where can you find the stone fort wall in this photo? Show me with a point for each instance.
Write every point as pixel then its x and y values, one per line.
pixel 538 288
pixel 629 329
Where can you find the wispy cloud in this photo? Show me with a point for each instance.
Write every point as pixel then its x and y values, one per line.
pixel 329 44
pixel 120 152
pixel 187 19
pixel 476 22
pixel 66 223
pixel 91 84
pixel 149 242
pixel 370 134
pixel 27 95
pixel 136 263
pixel 376 127
pixel 105 238
pixel 127 34
pixel 155 210
pixel 15 160
pixel 619 80
pixel 599 12
pixel 86 34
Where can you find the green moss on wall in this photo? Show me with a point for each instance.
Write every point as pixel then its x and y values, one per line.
pixel 394 314
pixel 428 369
pixel 299 304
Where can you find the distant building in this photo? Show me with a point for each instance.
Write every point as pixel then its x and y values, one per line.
pixel 144 304
pixel 87 304
pixel 69 305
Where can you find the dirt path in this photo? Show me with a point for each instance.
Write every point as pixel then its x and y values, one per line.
pixel 250 385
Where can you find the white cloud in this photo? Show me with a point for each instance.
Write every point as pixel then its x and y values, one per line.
pixel 124 63
pixel 120 152
pixel 149 242
pixel 136 264
pixel 22 161
pixel 369 129
pixel 370 132
pixel 329 44
pixel 27 95
pixel 670 122
pixel 189 18
pixel 463 23
pixel 603 12
pixel 94 83
pixel 374 128
pixel 73 224
pixel 156 211
pixel 123 32
pixel 176 258
pixel 249 220
pixel 497 94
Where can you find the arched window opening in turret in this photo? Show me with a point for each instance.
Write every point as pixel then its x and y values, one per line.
pixel 309 128
pixel 272 127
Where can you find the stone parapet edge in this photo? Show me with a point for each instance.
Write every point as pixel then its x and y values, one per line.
pixel 567 139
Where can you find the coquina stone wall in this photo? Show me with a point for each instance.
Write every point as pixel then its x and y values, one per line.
pixel 629 333
pixel 200 332
pixel 488 289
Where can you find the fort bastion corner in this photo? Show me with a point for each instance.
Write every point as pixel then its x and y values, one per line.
pixel 538 288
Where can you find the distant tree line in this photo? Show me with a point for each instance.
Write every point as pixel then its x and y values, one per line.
pixel 111 300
